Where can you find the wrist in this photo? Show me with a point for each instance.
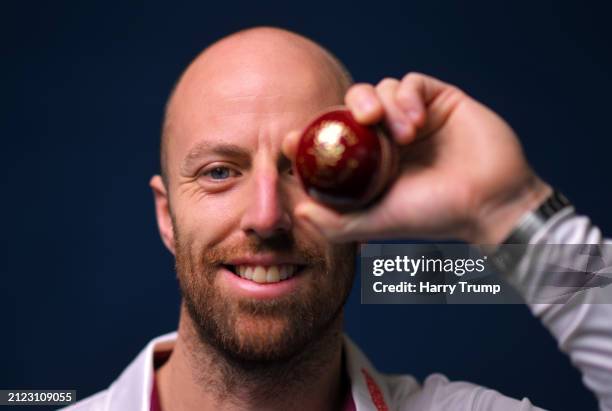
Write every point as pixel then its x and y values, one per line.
pixel 495 220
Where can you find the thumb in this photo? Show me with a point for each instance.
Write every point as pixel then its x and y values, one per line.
pixel 290 144
pixel 338 227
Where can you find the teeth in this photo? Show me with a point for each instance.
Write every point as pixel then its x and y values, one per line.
pixel 271 274
pixel 259 274
pixel 283 272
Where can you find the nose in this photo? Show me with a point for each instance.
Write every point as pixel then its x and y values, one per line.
pixel 266 213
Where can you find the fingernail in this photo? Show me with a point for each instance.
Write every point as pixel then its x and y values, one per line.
pixel 365 104
pixel 306 211
pixel 400 129
pixel 414 114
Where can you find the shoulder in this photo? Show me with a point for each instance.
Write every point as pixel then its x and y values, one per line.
pixel 438 393
pixel 94 402
pixel 132 389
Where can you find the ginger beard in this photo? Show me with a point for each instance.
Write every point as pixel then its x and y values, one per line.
pixel 263 331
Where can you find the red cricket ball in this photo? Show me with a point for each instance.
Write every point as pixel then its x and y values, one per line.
pixel 342 163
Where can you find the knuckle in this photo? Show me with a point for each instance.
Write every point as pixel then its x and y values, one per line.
pixel 357 90
pixel 455 93
pixel 357 87
pixel 456 90
pixel 387 82
pixel 413 76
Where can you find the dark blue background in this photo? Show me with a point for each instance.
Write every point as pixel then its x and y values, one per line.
pixel 85 279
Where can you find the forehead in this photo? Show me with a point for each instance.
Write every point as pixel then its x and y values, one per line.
pixel 244 92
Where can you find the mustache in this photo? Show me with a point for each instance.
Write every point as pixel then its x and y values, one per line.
pixel 282 244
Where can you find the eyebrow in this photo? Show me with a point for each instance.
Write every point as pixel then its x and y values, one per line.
pixel 221 149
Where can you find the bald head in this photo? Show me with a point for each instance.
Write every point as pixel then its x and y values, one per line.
pixel 261 63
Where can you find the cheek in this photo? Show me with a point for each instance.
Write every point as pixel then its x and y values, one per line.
pixel 208 219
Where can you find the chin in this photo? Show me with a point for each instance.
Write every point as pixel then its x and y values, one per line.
pixel 265 333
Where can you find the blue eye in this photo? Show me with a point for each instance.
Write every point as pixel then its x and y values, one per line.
pixel 219 173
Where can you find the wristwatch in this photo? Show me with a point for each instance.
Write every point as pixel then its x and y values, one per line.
pixel 509 253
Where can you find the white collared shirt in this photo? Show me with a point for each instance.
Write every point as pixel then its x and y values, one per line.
pixel 370 389
pixel 583 330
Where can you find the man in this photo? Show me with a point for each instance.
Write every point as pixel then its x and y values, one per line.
pixel 264 271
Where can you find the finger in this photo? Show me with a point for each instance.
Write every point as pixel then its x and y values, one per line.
pixel 427 87
pixel 400 125
pixel 410 97
pixel 337 227
pixel 364 104
pixel 426 100
pixel 290 144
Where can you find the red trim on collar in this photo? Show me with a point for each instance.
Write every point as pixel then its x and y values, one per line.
pixel 375 392
pixel 159 358
pixel 155 405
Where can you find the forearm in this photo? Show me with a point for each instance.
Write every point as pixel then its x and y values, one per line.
pixel 582 323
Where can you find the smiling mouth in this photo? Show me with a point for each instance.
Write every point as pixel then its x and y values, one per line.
pixel 265 274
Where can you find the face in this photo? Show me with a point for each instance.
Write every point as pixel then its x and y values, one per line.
pixel 258 284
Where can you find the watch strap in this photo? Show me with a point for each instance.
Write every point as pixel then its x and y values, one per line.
pixel 509 253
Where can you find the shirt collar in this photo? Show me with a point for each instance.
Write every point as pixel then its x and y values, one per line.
pixel 132 390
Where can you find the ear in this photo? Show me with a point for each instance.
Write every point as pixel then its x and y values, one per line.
pixel 162 212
